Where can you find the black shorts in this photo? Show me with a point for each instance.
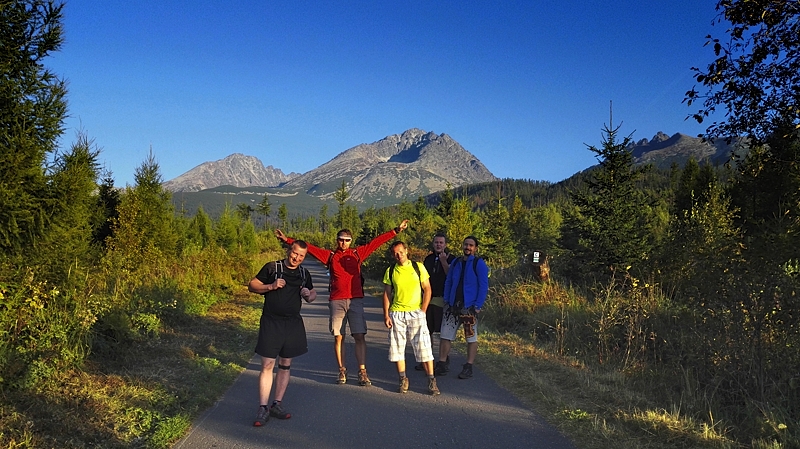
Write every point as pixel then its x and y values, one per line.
pixel 434 317
pixel 279 336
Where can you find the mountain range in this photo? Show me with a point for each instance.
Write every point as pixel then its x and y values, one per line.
pixel 400 167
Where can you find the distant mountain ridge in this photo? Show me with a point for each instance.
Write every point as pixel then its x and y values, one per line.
pixel 236 170
pixel 662 150
pixel 395 168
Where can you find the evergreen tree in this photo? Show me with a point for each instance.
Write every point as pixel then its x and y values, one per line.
pixel 226 229
pixel 243 210
pixel 108 200
pixel 497 245
pixel 446 203
pixel 283 215
pixel 66 246
pixel 341 195
pixel 463 222
pixel 264 208
pixel 144 233
pixel 32 111
pixel 324 220
pixel 201 229
pixel 612 226
pixel 520 225
pixel 545 229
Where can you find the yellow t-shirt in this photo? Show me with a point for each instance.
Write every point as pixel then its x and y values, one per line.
pixel 406 286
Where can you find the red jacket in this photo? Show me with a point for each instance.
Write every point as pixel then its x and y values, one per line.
pixel 345 269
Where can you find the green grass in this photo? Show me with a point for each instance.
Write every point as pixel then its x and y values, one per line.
pixel 143 395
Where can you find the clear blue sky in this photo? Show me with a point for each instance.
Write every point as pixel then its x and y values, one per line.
pixel 523 85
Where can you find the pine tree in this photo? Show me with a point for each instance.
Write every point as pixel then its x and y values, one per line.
pixel 144 233
pixel 264 208
pixel 497 245
pixel 32 111
pixel 612 224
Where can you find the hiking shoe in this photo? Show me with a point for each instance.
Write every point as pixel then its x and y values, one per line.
pixel 342 376
pixel 403 388
pixel 432 388
pixel 363 379
pixel 262 417
pixel 466 373
pixel 419 366
pixel 441 369
pixel 277 411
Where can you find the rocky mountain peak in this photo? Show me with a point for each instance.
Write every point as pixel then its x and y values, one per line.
pixel 238 170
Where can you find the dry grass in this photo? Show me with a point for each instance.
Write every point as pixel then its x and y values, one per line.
pixel 597 409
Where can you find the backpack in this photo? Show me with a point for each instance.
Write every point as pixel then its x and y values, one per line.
pixel 328 266
pixel 416 268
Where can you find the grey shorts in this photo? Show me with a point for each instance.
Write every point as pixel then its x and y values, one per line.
pixel 347 311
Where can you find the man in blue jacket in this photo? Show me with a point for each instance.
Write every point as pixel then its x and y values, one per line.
pixel 465 291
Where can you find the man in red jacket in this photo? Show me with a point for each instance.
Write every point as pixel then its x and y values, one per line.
pixel 346 303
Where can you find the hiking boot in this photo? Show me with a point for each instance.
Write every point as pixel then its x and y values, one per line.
pixel 419 366
pixel 403 388
pixel 363 379
pixel 277 411
pixel 466 373
pixel 262 417
pixel 342 376
pixel 441 369
pixel 432 388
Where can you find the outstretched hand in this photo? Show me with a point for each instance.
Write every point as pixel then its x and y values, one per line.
pixel 281 236
pixel 403 225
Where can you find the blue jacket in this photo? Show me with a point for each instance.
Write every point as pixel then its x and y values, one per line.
pixel 475 287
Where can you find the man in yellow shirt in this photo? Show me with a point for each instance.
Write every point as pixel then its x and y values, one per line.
pixel 406 295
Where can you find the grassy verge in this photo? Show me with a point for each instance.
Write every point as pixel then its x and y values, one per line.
pixel 595 409
pixel 145 394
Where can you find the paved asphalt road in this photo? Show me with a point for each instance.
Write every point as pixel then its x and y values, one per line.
pixel 473 413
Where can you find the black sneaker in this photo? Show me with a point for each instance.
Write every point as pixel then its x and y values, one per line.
pixel 466 373
pixel 441 369
pixel 278 412
pixel 262 417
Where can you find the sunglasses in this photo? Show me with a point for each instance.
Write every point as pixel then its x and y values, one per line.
pixel 343 239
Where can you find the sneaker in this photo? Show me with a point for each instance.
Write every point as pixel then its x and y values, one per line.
pixel 363 379
pixel 432 388
pixel 342 376
pixel 262 417
pixel 466 373
pixel 441 369
pixel 419 366
pixel 403 385
pixel 277 411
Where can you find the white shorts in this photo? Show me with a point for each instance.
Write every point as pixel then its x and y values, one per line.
pixel 409 326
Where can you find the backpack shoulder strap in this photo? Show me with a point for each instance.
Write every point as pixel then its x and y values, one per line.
pixel 416 268
pixel 279 269
pixel 475 265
